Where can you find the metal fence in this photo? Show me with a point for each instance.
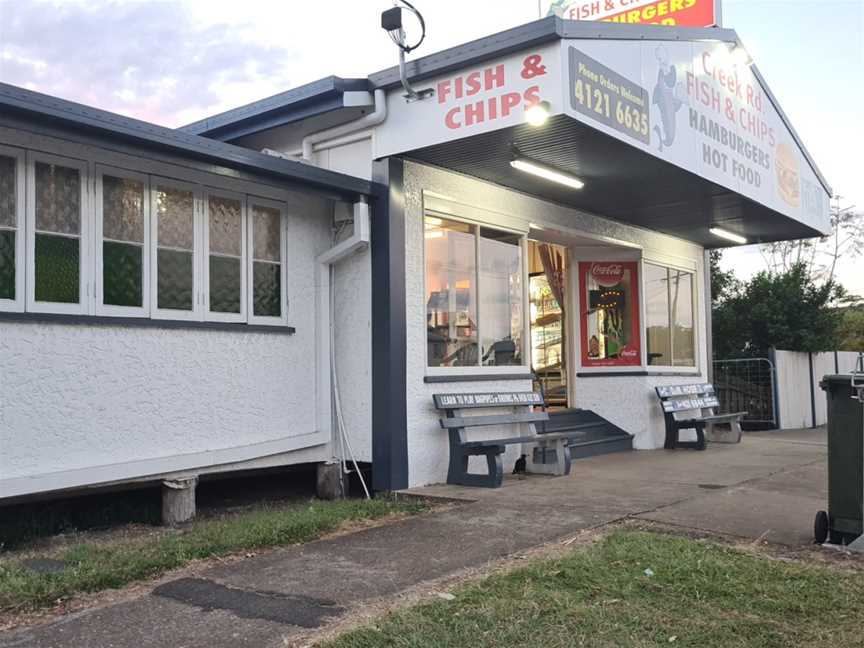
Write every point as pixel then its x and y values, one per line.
pixel 748 384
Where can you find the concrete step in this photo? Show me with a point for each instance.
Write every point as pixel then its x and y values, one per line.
pixel 589 433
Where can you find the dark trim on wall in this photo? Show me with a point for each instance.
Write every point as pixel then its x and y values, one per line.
pixel 812 392
pixel 389 343
pixel 709 314
pixel 631 374
pixel 143 322
pixel 476 377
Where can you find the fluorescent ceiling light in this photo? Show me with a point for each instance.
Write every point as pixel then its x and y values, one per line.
pixel 537 114
pixel 434 220
pixel 729 236
pixel 547 173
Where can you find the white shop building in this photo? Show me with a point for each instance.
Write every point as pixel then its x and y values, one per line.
pixel 568 256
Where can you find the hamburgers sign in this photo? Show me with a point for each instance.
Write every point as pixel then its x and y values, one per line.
pixel 673 13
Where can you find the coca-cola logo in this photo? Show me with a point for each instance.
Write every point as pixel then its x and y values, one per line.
pixel 628 353
pixel 607 274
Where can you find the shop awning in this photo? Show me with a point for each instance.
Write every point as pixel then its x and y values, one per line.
pixel 621 182
pixel 672 129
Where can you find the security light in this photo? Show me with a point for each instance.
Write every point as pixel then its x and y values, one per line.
pixel 726 234
pixel 548 173
pixel 537 114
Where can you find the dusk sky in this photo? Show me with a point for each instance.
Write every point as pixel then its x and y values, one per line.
pixel 175 61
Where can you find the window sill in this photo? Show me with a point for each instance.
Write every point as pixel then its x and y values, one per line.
pixel 144 322
pixel 638 373
pixel 474 377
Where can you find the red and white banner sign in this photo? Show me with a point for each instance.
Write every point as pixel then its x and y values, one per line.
pixel 674 13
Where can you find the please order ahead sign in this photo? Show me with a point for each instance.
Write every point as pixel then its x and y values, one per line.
pixel 680 13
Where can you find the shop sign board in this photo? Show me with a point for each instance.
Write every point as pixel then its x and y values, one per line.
pixel 692 104
pixel 686 102
pixel 487 97
pixel 672 13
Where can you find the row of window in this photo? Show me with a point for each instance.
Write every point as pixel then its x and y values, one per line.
pixel 116 242
pixel 475 304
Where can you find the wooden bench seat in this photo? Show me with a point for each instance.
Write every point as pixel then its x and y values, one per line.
pixel 692 407
pixel 547 453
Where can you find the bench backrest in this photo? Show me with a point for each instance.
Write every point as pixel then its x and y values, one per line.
pixel 676 399
pixel 451 403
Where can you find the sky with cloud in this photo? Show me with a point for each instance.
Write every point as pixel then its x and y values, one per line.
pixel 174 61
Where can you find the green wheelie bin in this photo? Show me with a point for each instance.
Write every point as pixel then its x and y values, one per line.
pixel 844 520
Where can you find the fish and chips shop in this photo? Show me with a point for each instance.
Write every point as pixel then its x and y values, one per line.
pixel 541 204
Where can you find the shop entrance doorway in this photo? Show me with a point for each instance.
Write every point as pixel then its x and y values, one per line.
pixel 548 317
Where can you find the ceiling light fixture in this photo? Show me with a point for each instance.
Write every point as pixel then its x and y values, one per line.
pixel 726 234
pixel 538 113
pixel 548 173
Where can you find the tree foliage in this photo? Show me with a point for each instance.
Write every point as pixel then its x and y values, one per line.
pixel 850 333
pixel 819 256
pixel 787 310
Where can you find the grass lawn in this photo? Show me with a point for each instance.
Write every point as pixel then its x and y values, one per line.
pixel 98 566
pixel 695 594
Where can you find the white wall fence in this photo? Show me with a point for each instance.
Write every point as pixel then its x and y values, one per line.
pixel 801 403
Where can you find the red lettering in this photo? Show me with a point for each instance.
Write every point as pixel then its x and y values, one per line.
pixel 473 83
pixel 532 96
pixel 443 91
pixel 509 101
pixel 494 77
pixel 493 108
pixel 474 113
pixel 450 119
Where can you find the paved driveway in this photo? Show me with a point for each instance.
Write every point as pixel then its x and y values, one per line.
pixel 768 486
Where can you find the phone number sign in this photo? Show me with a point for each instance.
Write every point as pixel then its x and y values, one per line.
pixel 604 95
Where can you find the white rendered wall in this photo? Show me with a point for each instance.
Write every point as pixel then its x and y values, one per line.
pixel 353 348
pixel 77 397
pixel 629 402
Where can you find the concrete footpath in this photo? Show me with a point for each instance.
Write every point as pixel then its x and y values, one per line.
pixel 769 487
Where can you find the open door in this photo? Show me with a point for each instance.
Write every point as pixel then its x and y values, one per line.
pixel 547 286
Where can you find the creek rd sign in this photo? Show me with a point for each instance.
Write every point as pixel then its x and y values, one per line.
pixel 672 13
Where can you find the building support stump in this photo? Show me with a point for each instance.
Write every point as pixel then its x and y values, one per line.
pixel 178 500
pixel 328 483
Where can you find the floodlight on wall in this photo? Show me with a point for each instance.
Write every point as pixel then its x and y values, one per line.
pixel 726 234
pixel 547 173
pixel 538 113
pixel 391 22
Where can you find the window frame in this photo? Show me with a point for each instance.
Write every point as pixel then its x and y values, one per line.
pixel 21 229
pixel 85 298
pixel 113 310
pixel 694 296
pixel 251 317
pixel 480 368
pixel 205 256
pixel 197 312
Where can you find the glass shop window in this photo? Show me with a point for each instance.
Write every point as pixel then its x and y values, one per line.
pixel 474 295
pixel 609 302
pixel 669 323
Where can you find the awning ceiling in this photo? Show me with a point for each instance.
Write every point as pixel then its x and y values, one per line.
pixel 621 182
